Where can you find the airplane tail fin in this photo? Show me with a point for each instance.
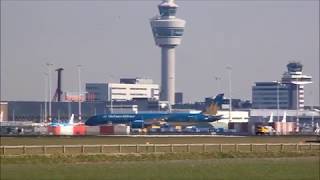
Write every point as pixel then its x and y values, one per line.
pixel 1 116
pixel 271 118
pixel 212 109
pixel 284 119
pixel 317 131
pixel 71 119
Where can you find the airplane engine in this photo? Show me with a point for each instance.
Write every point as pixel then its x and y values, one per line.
pixel 137 124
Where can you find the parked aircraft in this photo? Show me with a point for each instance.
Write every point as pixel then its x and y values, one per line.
pixel 209 115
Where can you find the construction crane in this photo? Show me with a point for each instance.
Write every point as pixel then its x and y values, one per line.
pixel 58 93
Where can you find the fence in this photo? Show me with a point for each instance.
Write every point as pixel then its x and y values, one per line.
pixel 154 148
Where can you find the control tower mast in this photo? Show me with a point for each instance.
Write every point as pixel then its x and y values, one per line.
pixel 167 32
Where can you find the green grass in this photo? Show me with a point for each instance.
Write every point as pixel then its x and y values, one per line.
pixel 303 168
pixel 291 165
pixel 53 140
pixel 86 158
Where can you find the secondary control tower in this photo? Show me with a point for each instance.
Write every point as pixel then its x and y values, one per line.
pixel 296 80
pixel 167 32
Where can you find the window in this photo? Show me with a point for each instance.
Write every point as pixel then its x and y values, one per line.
pixel 167 11
pixel 91 88
pixel 138 88
pixel 117 88
pixel 165 32
pixel 137 94
pixel 122 94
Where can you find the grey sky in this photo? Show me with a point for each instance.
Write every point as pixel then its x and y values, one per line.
pixel 113 39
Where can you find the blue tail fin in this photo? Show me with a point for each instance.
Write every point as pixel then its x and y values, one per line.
pixel 215 105
pixel 218 100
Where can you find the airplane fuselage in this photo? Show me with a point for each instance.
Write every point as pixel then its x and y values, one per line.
pixel 177 117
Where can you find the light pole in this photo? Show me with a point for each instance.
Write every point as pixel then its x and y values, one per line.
pixel 110 98
pixel 278 105
pixel 230 91
pixel 13 115
pixel 313 103
pixel 45 96
pixel 218 79
pixel 79 86
pixel 297 107
pixel 312 118
pixel 111 77
pixel 49 81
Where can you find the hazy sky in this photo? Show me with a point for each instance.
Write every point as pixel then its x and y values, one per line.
pixel 113 39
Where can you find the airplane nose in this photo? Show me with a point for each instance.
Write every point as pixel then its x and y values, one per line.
pixel 90 121
pixel 87 123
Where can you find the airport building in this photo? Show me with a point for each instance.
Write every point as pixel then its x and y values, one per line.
pixel 285 94
pixel 263 115
pixel 270 95
pixel 127 90
pixel 178 99
pixel 36 111
pixel 3 111
pixel 96 92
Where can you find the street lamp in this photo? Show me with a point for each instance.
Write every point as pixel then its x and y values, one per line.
pixel 297 111
pixel 111 77
pixel 230 95
pixel 278 104
pixel 218 79
pixel 110 95
pixel 45 96
pixel 313 103
pixel 49 81
pixel 79 86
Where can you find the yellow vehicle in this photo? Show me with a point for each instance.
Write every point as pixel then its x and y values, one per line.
pixel 263 130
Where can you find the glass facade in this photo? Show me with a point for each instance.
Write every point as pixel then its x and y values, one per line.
pixel 167 32
pixel 96 91
pixel 167 11
pixel 266 96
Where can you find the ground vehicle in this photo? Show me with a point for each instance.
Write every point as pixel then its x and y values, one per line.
pixel 263 130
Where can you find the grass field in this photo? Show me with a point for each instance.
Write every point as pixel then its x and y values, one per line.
pixel 293 165
pixel 63 140
pixel 302 168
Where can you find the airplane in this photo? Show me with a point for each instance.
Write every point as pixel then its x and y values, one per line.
pixel 209 115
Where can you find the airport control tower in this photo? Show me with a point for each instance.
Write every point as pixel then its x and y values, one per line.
pixel 167 32
pixel 296 80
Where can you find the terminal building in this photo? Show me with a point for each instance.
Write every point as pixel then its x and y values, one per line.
pixel 271 95
pixel 178 98
pixel 35 110
pixel 285 94
pixel 127 90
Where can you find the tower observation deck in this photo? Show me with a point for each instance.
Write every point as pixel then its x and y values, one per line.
pixel 167 32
